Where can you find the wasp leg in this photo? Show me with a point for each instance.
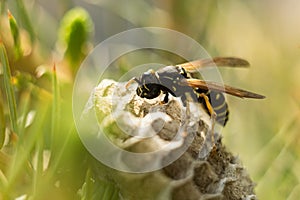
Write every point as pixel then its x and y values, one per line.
pixel 212 114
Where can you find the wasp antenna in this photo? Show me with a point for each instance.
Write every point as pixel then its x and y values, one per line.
pixel 131 81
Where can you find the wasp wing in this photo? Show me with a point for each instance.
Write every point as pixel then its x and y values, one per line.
pixel 193 66
pixel 207 85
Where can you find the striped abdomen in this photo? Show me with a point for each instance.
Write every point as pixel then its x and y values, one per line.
pixel 217 101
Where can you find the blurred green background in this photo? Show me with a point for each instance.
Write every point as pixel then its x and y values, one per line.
pixel 41 155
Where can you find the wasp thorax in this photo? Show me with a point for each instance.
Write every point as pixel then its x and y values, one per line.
pixel 149 77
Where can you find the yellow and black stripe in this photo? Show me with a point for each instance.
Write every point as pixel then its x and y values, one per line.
pixel 217 102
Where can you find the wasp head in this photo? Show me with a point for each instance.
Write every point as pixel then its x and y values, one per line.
pixel 148 85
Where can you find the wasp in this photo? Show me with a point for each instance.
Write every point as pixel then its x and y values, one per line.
pixel 179 81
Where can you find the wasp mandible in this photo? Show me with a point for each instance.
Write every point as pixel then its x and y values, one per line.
pixel 178 81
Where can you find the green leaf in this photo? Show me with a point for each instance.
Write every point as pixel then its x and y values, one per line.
pixel 9 88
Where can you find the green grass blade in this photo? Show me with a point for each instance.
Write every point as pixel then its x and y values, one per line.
pixel 22 155
pixel 2 125
pixel 24 107
pixel 9 88
pixel 96 188
pixel 59 155
pixel 55 110
pixel 14 29
pixel 38 172
pixel 25 19
pixel 271 150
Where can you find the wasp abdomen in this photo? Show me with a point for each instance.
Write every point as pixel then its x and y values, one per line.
pixel 218 102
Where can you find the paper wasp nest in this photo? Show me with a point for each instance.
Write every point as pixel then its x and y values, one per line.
pixel 141 125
